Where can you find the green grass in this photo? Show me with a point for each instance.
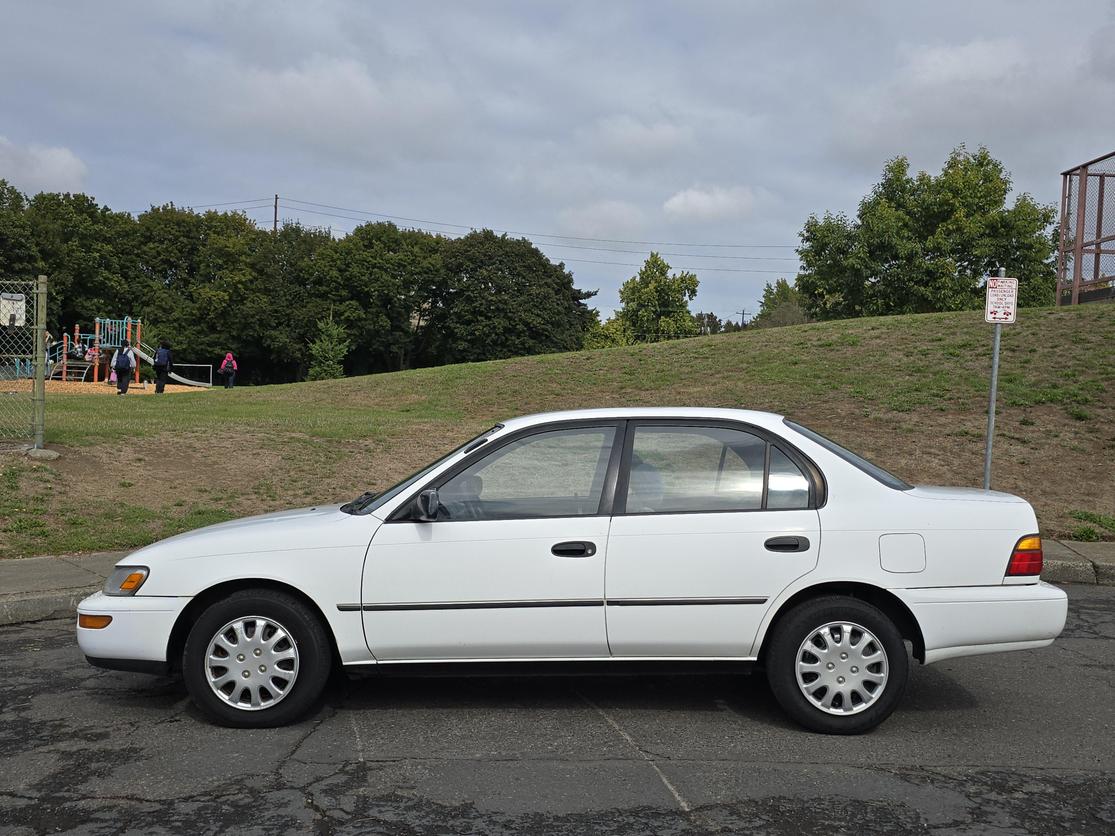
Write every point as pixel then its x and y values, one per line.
pixel 909 392
pixel 1105 521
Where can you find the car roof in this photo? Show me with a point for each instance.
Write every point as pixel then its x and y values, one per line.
pixel 750 416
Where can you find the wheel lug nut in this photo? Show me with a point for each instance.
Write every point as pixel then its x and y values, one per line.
pixel 855 669
pixel 257 651
pixel 246 674
pixel 239 657
pixel 831 666
pixel 840 679
pixel 262 668
pixel 843 656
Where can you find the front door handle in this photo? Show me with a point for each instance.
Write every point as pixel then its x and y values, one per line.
pixel 574 548
pixel 787 544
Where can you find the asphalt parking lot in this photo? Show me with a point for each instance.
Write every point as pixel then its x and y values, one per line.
pixel 1010 743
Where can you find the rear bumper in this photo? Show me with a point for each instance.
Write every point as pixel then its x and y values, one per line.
pixel 138 634
pixel 967 621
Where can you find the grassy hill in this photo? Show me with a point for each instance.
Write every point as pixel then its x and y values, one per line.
pixel 909 392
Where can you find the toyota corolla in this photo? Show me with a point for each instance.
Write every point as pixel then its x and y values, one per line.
pixel 602 538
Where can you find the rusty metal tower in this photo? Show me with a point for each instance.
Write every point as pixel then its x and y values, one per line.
pixel 1086 253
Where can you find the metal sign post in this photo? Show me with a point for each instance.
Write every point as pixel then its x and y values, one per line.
pixel 1000 308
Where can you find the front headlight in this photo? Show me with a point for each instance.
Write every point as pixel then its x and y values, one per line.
pixel 125 580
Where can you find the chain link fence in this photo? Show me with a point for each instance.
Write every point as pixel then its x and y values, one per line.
pixel 1086 254
pixel 22 360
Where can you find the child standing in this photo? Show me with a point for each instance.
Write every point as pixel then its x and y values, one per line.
pixel 228 369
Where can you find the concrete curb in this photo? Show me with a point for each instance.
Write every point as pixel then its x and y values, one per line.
pixel 20 609
pixel 1062 570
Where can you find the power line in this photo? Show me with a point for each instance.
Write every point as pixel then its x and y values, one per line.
pixel 597 261
pixel 692 268
pixel 537 234
pixel 229 203
pixel 676 267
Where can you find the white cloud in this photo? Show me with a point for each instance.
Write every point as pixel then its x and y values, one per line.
pixel 335 105
pixel 40 168
pixel 603 218
pixel 711 203
pixel 979 61
pixel 625 136
pixel 1032 112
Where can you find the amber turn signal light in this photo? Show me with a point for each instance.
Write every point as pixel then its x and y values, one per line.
pixel 93 622
pixel 132 581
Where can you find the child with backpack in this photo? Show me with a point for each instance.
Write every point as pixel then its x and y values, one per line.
pixel 123 363
pixel 163 362
pixel 228 369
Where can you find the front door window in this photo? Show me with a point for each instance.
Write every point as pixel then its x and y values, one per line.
pixel 549 474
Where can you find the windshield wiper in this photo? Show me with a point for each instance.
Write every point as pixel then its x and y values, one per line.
pixel 359 503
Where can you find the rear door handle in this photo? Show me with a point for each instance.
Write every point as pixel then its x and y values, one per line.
pixel 574 548
pixel 787 544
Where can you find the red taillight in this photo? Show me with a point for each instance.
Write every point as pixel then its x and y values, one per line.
pixel 1026 559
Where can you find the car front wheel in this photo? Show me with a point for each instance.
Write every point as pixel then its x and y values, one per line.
pixel 837 665
pixel 256 659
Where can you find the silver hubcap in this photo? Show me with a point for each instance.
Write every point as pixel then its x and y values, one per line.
pixel 251 663
pixel 842 668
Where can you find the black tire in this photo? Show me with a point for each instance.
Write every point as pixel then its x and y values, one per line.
pixel 802 622
pixel 306 633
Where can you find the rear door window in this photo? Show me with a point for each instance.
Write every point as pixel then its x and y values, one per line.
pixel 696 469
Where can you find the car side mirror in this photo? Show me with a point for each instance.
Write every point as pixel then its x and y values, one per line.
pixel 428 505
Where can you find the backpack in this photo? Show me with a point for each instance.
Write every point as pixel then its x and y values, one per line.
pixel 123 363
pixel 162 357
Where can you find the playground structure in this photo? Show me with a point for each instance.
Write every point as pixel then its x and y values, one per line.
pixel 87 354
pixel 1086 249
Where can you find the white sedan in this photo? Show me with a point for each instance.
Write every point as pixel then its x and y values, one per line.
pixel 608 537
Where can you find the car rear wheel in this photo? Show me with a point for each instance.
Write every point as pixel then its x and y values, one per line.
pixel 837 665
pixel 255 659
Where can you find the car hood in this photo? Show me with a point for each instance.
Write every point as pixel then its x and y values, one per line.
pixel 322 526
pixel 963 494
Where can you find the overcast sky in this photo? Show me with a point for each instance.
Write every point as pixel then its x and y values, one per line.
pixel 690 123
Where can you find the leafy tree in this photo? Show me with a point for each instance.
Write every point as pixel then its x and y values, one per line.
pixel 327 352
pixel 216 282
pixel 84 248
pixel 503 298
pixel 924 243
pixel 614 332
pixel 730 326
pixel 708 323
pixel 19 258
pixel 656 304
pixel 781 305
pixel 281 314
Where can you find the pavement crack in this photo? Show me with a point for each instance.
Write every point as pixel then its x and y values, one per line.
pixel 302 740
pixel 684 805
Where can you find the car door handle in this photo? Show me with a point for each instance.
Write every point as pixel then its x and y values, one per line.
pixel 787 544
pixel 574 548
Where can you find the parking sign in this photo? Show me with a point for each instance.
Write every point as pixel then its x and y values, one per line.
pixel 1002 300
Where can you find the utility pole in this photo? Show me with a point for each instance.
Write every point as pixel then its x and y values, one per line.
pixel 275 224
pixel 742 317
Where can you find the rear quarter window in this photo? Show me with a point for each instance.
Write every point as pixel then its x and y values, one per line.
pixel 870 468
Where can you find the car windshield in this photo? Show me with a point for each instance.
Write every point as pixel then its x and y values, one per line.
pixel 368 502
pixel 871 469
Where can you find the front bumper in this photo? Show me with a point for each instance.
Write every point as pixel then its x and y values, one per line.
pixel 138 635
pixel 968 621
